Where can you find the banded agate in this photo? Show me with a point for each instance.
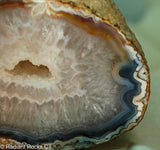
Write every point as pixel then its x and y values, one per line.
pixel 69 74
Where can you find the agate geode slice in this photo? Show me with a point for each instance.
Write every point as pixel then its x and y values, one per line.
pixel 71 73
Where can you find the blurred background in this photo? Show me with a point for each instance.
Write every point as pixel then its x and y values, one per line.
pixel 143 17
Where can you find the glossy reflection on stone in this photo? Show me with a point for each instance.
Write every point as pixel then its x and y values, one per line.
pixel 67 77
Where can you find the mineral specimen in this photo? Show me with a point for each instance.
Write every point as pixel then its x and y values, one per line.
pixel 71 73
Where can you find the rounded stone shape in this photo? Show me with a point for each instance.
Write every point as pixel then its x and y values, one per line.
pixel 72 74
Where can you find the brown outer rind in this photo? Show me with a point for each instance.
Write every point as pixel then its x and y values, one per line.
pixel 109 12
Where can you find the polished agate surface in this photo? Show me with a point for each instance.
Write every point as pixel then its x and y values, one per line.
pixel 60 79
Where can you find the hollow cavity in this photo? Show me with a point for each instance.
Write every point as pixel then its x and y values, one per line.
pixel 26 68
